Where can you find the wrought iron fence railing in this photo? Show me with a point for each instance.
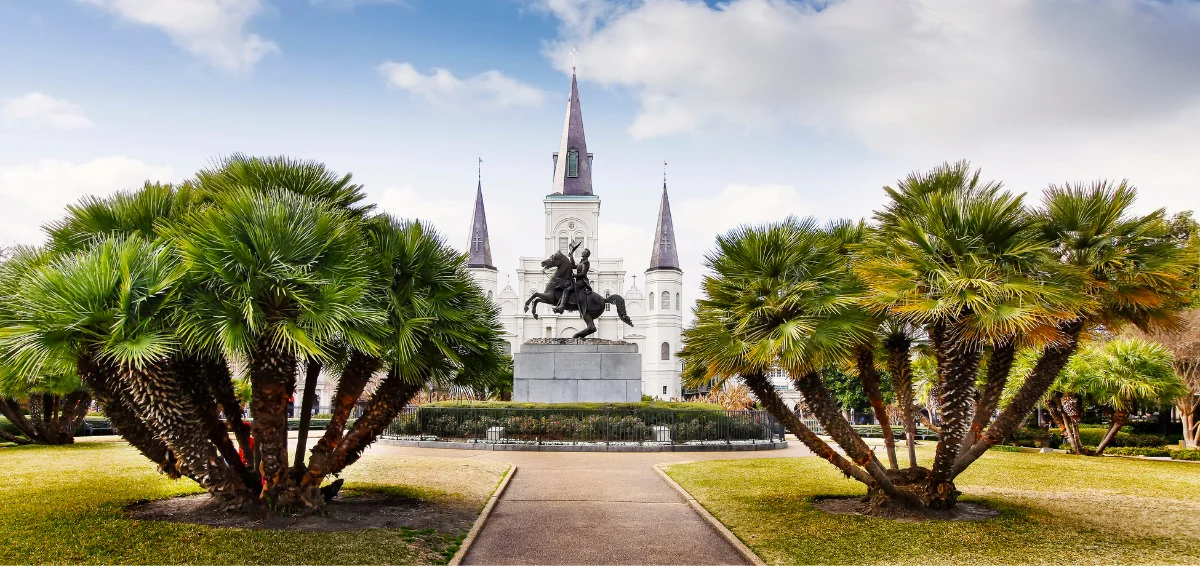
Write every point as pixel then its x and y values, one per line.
pixel 548 425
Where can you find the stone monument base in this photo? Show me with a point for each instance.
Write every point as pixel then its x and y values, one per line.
pixel 568 370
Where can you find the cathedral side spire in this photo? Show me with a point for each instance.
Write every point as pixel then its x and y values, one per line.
pixel 480 246
pixel 664 255
pixel 572 163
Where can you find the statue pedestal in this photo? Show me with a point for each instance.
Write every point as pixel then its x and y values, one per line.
pixel 563 370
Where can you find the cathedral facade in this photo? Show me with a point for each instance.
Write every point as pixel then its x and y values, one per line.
pixel 572 215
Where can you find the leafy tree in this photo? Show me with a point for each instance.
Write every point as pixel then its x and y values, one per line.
pixel 953 260
pixel 270 265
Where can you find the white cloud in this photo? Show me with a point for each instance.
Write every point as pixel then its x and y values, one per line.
pixel 214 30
pixel 490 89
pixel 37 111
pixel 33 194
pixel 888 71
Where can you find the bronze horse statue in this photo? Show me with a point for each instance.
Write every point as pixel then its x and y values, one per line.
pixel 593 304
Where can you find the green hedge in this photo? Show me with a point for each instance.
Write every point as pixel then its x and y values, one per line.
pixel 1004 448
pixel 1091 436
pixel 1151 451
pixel 1186 454
pixel 632 422
pixel 1029 437
pixel 616 407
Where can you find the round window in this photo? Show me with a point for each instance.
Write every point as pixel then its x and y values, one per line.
pixel 571 225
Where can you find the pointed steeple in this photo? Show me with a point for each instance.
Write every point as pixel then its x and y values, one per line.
pixel 480 247
pixel 664 255
pixel 572 163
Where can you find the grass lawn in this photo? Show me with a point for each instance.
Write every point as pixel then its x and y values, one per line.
pixel 64 504
pixel 1057 509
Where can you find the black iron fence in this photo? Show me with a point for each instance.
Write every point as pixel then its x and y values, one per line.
pixel 549 425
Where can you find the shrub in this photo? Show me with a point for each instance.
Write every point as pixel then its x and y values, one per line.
pixel 1004 448
pixel 1036 437
pixel 1186 454
pixel 1155 452
pixel 1091 436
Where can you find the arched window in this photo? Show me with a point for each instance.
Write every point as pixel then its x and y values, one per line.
pixel 664 351
pixel 489 295
pixel 666 300
pixel 573 163
pixel 651 301
pixel 507 349
pixel 678 303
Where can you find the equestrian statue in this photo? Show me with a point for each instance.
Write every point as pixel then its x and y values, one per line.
pixel 570 290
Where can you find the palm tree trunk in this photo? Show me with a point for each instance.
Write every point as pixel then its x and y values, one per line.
pixel 900 366
pixel 1190 419
pixel 390 397
pixel 271 374
pixel 958 386
pixel 770 400
pixel 998 367
pixel 1120 417
pixel 1072 411
pixel 197 379
pixel 311 373
pixel 355 376
pixel 1054 406
pixel 75 411
pixel 821 403
pixel 220 384
pixel 1053 359
pixel 166 405
pixel 37 419
pixel 11 409
pixel 865 361
pixel 125 421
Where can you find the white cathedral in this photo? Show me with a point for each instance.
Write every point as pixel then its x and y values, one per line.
pixel 573 215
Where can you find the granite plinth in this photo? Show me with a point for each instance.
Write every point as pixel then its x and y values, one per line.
pixel 577 371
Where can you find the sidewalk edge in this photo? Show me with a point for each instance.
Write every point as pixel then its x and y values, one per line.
pixel 721 529
pixel 482 519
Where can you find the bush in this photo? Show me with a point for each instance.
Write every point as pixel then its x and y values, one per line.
pixel 1036 438
pixel 1186 454
pixel 1091 436
pixel 1003 448
pixel 1154 452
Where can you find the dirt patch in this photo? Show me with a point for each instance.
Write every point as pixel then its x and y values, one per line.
pixel 350 512
pixel 856 506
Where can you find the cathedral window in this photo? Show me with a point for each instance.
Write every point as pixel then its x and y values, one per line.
pixel 666 300
pixel 651 301
pixel 678 303
pixel 573 163
pixel 664 351
pixel 562 244
pixel 489 295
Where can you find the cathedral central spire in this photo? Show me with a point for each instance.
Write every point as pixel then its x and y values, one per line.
pixel 573 163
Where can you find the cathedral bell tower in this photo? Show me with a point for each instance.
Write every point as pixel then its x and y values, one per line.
pixel 479 255
pixel 664 311
pixel 572 210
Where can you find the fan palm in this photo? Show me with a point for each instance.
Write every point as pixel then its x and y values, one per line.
pixel 273 275
pixel 1126 269
pixel 779 296
pixel 958 257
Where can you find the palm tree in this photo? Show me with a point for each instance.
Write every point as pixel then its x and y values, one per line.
pixel 780 296
pixel 55 399
pixel 272 277
pixel 1126 269
pixel 959 258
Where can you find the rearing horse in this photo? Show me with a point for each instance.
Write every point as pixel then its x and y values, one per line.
pixel 593 303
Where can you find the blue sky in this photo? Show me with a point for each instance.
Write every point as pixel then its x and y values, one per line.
pixel 762 107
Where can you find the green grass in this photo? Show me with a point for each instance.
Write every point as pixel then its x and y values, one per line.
pixel 64 505
pixel 1058 509
pixel 667 405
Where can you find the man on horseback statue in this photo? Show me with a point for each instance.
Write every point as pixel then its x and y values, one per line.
pixel 569 289
pixel 580 286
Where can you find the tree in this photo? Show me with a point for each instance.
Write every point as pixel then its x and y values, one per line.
pixel 1117 375
pixel 55 399
pixel 269 262
pixel 951 259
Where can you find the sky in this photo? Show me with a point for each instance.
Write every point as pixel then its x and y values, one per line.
pixel 761 108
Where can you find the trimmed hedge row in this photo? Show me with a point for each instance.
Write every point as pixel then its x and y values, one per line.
pixel 1154 452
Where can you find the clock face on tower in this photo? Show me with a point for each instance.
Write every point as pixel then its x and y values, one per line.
pixel 571 225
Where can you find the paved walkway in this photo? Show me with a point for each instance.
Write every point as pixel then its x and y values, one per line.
pixel 595 508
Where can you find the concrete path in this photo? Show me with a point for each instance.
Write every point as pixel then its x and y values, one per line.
pixel 595 508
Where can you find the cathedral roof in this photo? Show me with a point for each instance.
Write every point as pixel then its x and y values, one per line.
pixel 664 255
pixel 573 140
pixel 480 246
